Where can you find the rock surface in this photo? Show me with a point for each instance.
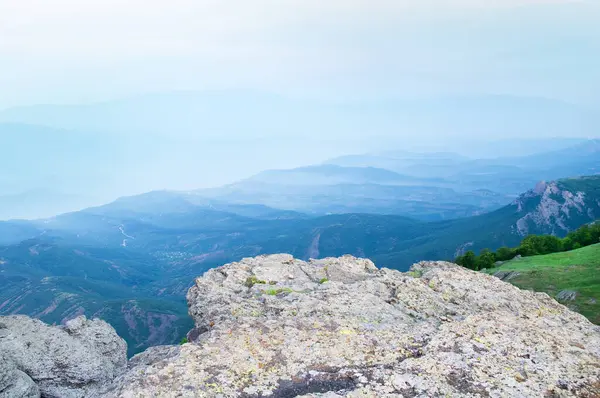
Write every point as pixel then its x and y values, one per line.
pixel 274 326
pixel 551 208
pixel 76 360
pixel 14 383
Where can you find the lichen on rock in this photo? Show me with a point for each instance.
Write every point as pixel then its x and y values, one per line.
pixel 438 331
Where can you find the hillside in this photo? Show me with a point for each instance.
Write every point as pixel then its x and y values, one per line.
pixel 573 278
pixel 550 208
pixel 56 281
pixel 131 261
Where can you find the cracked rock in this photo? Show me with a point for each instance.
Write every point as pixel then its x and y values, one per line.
pixel 438 331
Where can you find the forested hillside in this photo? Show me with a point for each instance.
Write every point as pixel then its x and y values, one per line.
pixel 132 261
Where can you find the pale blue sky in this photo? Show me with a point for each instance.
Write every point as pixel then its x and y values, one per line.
pixel 239 86
pixel 58 51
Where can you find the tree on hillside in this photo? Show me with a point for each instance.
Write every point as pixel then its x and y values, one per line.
pixel 505 253
pixel 469 260
pixel 532 245
pixel 583 236
pixel 486 259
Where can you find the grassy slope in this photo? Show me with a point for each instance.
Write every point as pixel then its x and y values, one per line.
pixel 577 270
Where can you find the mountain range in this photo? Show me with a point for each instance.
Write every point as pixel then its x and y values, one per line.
pixel 89 154
pixel 428 187
pixel 130 262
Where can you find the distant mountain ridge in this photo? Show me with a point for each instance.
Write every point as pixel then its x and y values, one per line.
pixel 429 186
pixel 426 186
pixel 89 154
pixel 330 174
pixel 130 261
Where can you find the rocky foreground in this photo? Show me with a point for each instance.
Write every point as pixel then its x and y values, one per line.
pixel 274 326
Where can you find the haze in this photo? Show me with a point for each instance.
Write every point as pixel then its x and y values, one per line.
pixel 108 98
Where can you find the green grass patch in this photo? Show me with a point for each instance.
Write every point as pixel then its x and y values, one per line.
pixel 275 292
pixel 253 280
pixel 576 270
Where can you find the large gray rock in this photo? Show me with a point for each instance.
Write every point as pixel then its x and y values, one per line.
pixel 14 383
pixel 279 327
pixel 71 361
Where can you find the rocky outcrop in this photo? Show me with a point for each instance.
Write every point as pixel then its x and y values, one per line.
pixel 75 360
pixel 274 326
pixel 15 383
pixel 549 208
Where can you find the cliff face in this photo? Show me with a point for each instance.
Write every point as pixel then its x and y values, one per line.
pixel 276 326
pixel 557 207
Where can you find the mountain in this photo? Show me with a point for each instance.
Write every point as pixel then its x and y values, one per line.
pixel 555 207
pixel 331 175
pixel 508 175
pixel 131 261
pixel 79 164
pixel 325 189
pixel 47 171
pixel 399 160
pixel 550 208
pixel 426 186
pixel 17 231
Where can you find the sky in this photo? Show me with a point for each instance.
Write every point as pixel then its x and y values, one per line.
pixel 72 51
pixel 184 94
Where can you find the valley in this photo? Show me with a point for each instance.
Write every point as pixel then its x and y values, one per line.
pixel 131 262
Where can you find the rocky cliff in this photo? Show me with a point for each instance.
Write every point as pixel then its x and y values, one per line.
pixel 558 207
pixel 279 327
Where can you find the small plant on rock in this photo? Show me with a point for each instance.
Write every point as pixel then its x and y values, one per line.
pixel 253 280
pixel 275 292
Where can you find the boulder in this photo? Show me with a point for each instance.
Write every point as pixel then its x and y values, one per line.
pixel 274 326
pixel 14 383
pixel 566 295
pixel 76 360
pixel 506 275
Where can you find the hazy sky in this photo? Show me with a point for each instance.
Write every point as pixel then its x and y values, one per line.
pixel 54 51
pixel 278 84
